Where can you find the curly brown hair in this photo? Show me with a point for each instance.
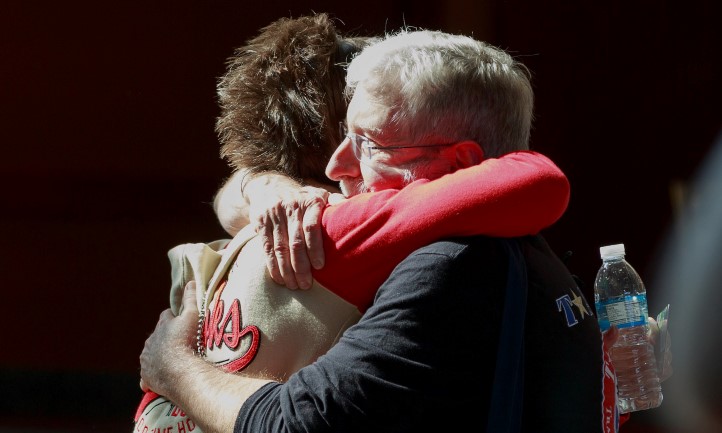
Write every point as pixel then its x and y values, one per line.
pixel 282 98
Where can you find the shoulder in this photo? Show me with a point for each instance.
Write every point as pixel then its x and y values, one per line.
pixel 456 264
pixel 479 251
pixel 460 247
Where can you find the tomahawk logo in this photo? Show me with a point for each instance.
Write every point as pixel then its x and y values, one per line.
pixel 568 305
pixel 223 328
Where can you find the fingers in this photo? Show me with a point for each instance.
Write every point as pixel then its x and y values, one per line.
pixel 300 266
pixel 610 336
pixel 173 337
pixel 312 231
pixel 284 245
pixel 190 305
pixel 291 235
pixel 276 227
pixel 284 227
pixel 309 252
pixel 653 333
pixel 268 228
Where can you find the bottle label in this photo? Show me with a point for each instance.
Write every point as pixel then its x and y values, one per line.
pixel 623 312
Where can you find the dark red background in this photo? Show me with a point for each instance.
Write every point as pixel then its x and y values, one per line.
pixel 109 157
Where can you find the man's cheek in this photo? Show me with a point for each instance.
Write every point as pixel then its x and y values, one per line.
pixel 351 187
pixel 381 178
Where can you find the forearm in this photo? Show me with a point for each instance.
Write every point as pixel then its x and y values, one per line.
pixel 515 195
pixel 169 366
pixel 211 397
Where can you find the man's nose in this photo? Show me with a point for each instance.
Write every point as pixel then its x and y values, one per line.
pixel 343 162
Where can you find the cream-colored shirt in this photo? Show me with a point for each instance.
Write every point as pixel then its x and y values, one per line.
pixel 294 327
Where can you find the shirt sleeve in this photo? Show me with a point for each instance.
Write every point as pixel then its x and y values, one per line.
pixel 366 236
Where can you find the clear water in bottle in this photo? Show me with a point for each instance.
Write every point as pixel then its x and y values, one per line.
pixel 620 299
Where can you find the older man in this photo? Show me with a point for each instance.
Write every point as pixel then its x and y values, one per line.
pixel 466 333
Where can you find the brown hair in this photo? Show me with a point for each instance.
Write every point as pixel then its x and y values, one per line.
pixel 282 98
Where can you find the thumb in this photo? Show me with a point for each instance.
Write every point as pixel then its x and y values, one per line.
pixel 610 337
pixel 189 299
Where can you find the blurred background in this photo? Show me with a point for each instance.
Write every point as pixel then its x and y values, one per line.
pixel 110 158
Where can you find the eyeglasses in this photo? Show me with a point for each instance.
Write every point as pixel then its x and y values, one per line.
pixel 362 146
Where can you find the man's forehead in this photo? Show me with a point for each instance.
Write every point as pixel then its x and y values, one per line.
pixel 365 114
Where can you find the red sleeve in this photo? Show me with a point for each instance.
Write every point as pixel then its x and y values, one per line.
pixel 366 236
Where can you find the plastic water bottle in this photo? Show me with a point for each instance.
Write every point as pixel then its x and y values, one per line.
pixel 621 300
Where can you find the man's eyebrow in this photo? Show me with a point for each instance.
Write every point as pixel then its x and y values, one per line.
pixel 364 129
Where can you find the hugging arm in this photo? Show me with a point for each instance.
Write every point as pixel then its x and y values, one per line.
pixel 210 396
pixel 366 236
pixel 287 216
pixel 517 194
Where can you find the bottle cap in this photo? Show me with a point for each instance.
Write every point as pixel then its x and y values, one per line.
pixel 612 250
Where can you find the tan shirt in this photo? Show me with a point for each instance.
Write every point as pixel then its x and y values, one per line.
pixel 294 327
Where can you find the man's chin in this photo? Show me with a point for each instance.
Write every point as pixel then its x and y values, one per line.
pixel 352 187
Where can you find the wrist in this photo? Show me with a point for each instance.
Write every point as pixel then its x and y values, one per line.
pixel 257 186
pixel 182 370
pixel 260 190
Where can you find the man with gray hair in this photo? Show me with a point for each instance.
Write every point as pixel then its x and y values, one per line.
pixel 467 333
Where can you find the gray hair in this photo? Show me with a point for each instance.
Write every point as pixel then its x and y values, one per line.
pixel 444 88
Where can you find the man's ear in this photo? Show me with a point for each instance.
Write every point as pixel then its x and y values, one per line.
pixel 468 153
